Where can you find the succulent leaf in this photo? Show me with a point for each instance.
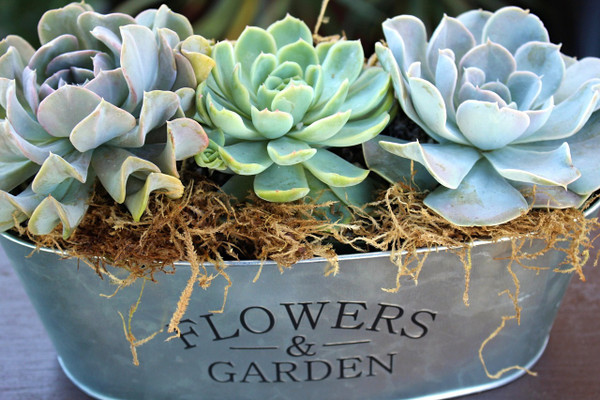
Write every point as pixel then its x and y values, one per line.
pixel 396 169
pixel 56 169
pixel 334 170
pixel 281 183
pixel 482 198
pixel 137 202
pixel 246 158
pixel 16 209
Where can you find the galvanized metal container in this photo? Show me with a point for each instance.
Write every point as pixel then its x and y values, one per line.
pixel 298 334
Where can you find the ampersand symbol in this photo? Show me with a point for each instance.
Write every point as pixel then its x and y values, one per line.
pixel 299 349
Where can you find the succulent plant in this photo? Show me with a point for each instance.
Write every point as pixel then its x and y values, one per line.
pixel 274 103
pixel 505 110
pixel 106 97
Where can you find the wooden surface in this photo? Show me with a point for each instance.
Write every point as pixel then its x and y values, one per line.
pixel 567 370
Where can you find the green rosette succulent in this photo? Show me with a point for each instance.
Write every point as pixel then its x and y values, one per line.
pixel 507 112
pixel 106 98
pixel 274 104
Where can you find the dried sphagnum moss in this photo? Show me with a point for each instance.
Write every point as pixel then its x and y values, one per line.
pixel 207 226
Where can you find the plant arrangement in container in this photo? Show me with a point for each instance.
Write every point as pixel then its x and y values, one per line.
pixel 134 145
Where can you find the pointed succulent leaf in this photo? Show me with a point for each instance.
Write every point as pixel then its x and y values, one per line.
pixel 357 132
pixel 494 60
pixel 333 209
pixel 401 88
pixel 223 54
pixel 366 92
pixel 537 118
pixel 322 50
pixel 80 58
pixel 17 208
pixel 15 173
pixel 450 34
pixel 68 211
pixel 55 23
pixel 407 39
pixel 285 70
pixel 231 122
pixel 56 169
pixel 36 153
pixel 540 196
pixel 138 60
pixel 61 45
pixel 197 50
pixel 110 85
pixel 246 158
pixel 166 72
pixel 89 20
pixel 165 18
pixel 576 75
pixel 501 126
pixel 483 198
pixel 544 60
pixel 553 168
pixel 344 61
pixel 570 115
pixel 137 202
pixel 300 52
pixel 23 47
pixel 187 137
pixel 430 106
pixel 240 96
pixel 446 77
pixel 262 67
pixel 333 104
pixel 272 124
pixel 251 43
pixel 289 30
pixel 114 166
pixel 396 169
pixel 11 64
pixel 287 151
pixel 187 97
pixel 447 163
pixel 106 122
pixel 512 27
pixel 357 195
pixel 314 77
pixel 158 106
pixel 61 111
pixel 474 21
pixel 295 100
pixel 525 87
pixel 281 183
pixel 20 119
pixel 322 129
pixel 111 40
pixel 334 170
pixel 584 152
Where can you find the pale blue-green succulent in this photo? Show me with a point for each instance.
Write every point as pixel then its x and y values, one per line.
pixel 509 115
pixel 274 103
pixel 106 98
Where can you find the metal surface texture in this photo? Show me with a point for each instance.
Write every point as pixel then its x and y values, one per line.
pixel 298 334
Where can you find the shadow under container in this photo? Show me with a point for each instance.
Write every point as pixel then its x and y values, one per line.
pixel 298 334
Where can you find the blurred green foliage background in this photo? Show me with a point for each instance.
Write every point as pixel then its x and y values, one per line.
pixel 218 19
